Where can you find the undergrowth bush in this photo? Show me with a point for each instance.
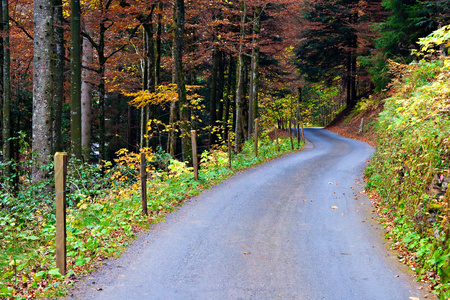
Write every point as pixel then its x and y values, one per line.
pixel 411 168
pixel 104 213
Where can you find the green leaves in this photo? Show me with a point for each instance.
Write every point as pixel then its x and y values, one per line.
pixel 412 151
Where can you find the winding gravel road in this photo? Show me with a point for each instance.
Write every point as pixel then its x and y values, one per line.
pixel 294 228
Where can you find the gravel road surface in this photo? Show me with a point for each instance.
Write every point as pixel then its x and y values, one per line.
pixel 294 228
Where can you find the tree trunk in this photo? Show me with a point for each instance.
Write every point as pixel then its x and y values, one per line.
pixel 348 79
pixel 239 134
pixel 159 27
pixel 6 90
pixel 1 76
pixel 149 57
pixel 254 72
pixel 102 91
pixel 353 67
pixel 213 98
pixel 220 90
pixel 42 87
pixel 143 111
pixel 75 78
pixel 58 85
pixel 178 23
pixel 172 141
pixel 228 99
pixel 86 98
pixel 101 114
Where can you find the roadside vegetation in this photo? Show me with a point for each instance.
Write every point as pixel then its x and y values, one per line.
pixel 104 213
pixel 409 175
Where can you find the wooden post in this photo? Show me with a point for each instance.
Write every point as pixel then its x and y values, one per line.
pixel 298 133
pixel 194 153
pixel 256 135
pixel 290 133
pixel 276 136
pixel 229 152
pixel 361 126
pixel 60 192
pixel 144 184
pixel 301 123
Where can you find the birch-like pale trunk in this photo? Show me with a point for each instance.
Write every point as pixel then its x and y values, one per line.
pixel 86 98
pixel 42 87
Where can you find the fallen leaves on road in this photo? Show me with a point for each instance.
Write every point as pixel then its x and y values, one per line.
pixel 334 207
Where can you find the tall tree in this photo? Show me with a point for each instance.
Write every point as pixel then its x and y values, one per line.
pixel 254 72
pixel 42 86
pixel 213 98
pixel 58 85
pixel 178 22
pixel 86 97
pixel 6 88
pixel 75 78
pixel 240 97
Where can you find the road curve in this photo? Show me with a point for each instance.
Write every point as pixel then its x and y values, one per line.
pixel 294 228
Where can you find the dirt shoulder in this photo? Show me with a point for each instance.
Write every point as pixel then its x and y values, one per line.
pixel 348 125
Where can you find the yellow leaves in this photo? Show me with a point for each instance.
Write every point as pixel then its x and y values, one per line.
pixel 334 207
pixel 436 38
pixel 178 168
pixel 164 94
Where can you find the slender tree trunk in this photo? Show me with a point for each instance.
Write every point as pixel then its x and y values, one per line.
pixel 229 97
pixel 239 134
pixel 143 110
pixel 150 58
pixel 7 155
pixel 2 55
pixel 220 89
pixel 101 114
pixel 75 78
pixel 1 75
pixel 102 91
pixel 353 67
pixel 86 98
pixel 42 87
pixel 178 22
pixel 213 98
pixel 254 72
pixel 348 79
pixel 172 141
pixel 159 27
pixel 58 85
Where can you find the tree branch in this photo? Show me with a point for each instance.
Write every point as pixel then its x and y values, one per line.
pixel 115 51
pixel 90 39
pixel 22 28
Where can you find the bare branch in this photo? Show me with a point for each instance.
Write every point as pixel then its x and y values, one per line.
pixel 21 28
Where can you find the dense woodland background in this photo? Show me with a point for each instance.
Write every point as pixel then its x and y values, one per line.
pixel 108 80
pixel 93 77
